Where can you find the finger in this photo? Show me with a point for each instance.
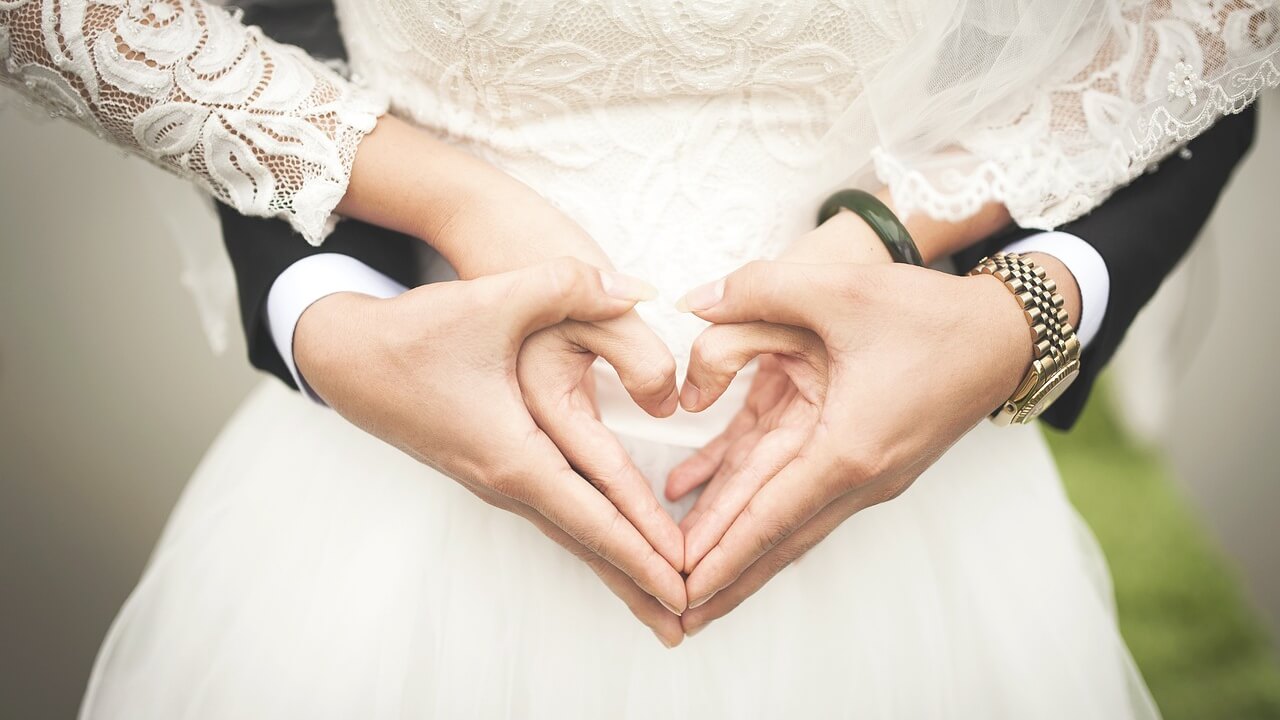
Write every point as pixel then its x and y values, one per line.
pixel 721 351
pixel 770 564
pixel 646 608
pixel 777 292
pixel 767 390
pixel 545 294
pixel 775 450
pixel 596 454
pixel 787 501
pixel 642 361
pixel 562 496
pixel 699 467
pixel 732 460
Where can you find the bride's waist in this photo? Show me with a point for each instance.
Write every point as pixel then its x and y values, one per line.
pixel 620 413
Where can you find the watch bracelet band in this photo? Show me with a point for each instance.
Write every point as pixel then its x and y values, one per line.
pixel 897 240
pixel 1054 342
pixel 1047 305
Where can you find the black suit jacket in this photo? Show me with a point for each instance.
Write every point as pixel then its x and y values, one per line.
pixel 1141 232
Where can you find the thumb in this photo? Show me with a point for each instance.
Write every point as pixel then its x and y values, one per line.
pixel 565 288
pixel 777 292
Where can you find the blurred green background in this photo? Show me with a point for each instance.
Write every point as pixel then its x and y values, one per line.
pixel 1202 649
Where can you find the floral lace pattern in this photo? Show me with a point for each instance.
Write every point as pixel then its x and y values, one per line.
pixel 689 137
pixel 260 125
pixel 682 136
pixel 1160 74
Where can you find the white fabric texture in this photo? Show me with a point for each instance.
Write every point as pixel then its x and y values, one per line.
pixel 654 124
pixel 1048 106
pixel 1085 265
pixel 1045 105
pixel 311 571
pixel 261 126
pixel 306 281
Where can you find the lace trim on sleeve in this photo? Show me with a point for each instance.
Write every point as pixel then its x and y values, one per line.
pixel 262 126
pixel 1165 73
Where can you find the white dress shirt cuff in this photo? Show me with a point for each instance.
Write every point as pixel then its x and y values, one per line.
pixel 1089 269
pixel 305 282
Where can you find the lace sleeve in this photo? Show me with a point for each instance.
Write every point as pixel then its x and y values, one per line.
pixel 262 126
pixel 1048 108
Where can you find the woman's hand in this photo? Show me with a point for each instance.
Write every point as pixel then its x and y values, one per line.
pixel 433 372
pixel 913 359
pixel 484 221
pixel 480 219
pixel 554 370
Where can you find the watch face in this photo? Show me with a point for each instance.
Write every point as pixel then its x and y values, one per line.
pixel 1054 387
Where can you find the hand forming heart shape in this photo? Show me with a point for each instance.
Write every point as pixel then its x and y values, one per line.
pixel 857 394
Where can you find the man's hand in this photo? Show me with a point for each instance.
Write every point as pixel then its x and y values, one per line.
pixel 777 417
pixel 554 369
pixel 433 372
pixel 913 359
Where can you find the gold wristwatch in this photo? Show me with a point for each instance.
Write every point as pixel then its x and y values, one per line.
pixel 1056 361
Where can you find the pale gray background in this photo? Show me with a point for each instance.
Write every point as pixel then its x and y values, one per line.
pixel 109 392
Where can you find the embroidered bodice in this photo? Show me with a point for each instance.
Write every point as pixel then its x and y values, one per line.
pixel 687 137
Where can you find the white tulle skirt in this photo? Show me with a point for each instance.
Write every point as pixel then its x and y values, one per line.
pixel 310 571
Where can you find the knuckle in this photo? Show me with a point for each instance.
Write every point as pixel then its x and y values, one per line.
pixel 770 530
pixel 565 276
pixel 855 467
pixel 708 347
pixel 596 539
pixel 751 275
pixel 756 268
pixel 505 481
pixel 654 378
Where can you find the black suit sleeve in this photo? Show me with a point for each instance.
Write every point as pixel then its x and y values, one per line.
pixel 262 248
pixel 1141 233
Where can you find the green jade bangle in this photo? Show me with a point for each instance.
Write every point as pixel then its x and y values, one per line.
pixel 883 222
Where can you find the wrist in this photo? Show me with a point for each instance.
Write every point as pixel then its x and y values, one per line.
pixel 937 239
pixel 1061 275
pixel 843 238
pixel 1002 333
pixel 406 179
pixel 330 335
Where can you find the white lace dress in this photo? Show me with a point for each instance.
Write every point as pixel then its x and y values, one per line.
pixel 312 571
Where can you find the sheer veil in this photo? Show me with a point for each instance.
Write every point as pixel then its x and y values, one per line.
pixel 1050 105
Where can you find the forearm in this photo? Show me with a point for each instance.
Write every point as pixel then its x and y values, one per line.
pixel 479 218
pixel 280 146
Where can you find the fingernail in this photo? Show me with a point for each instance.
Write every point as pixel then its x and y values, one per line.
pixel 670 608
pixel 701 601
pixel 665 643
pixel 702 297
pixel 689 395
pixel 626 287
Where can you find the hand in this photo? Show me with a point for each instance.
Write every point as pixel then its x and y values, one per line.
pixel 433 372
pixel 914 359
pixel 767 432
pixel 554 370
